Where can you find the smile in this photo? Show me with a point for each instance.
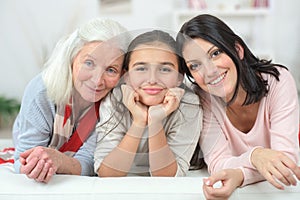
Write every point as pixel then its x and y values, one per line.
pixel 152 91
pixel 218 79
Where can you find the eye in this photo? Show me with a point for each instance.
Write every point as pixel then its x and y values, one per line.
pixel 89 63
pixel 194 66
pixel 140 68
pixel 215 53
pixel 165 69
pixel 111 71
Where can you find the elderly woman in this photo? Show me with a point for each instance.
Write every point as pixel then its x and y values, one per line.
pixel 54 131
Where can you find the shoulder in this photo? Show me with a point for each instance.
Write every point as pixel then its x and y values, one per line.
pixel 190 96
pixel 111 105
pixel 286 80
pixel 35 91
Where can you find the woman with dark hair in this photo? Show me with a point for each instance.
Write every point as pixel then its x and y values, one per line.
pixel 147 126
pixel 250 122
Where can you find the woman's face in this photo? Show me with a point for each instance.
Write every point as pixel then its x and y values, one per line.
pixel 152 70
pixel 96 70
pixel 212 69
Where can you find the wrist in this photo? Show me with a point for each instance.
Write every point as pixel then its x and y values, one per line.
pixel 254 153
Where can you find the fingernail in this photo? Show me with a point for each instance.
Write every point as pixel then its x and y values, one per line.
pixel 207 182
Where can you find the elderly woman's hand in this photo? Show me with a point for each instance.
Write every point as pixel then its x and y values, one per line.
pixel 40 163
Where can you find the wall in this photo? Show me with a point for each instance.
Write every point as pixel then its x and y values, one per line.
pixel 30 29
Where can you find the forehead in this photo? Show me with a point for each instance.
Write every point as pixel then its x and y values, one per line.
pixel 104 50
pixel 153 53
pixel 196 48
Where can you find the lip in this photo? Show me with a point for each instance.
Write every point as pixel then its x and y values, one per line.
pixel 218 80
pixel 95 90
pixel 152 91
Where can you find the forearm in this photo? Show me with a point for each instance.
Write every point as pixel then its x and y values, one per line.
pixel 161 158
pixel 68 165
pixel 119 161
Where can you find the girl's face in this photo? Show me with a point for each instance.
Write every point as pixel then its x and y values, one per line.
pixel 96 70
pixel 212 69
pixel 152 70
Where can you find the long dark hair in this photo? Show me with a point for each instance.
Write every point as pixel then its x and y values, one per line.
pixel 249 69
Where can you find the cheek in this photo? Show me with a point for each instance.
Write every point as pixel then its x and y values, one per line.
pixel 111 82
pixel 198 78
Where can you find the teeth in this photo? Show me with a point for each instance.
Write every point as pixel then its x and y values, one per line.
pixel 216 81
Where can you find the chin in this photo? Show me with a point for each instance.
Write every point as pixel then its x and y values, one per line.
pixel 152 102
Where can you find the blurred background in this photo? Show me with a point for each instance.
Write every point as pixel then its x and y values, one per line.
pixel 31 28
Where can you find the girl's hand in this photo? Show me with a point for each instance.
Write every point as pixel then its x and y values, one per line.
pixel 230 179
pixel 275 166
pixel 170 103
pixel 131 101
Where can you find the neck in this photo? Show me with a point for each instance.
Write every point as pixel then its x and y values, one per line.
pixel 79 104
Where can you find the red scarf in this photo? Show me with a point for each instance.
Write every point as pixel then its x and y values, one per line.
pixel 69 140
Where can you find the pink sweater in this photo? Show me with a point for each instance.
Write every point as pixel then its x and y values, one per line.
pixel 276 127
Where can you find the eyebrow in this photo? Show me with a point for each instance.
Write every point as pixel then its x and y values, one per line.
pixel 145 63
pixel 89 56
pixel 213 46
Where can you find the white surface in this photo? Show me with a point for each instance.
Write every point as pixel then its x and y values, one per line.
pixel 70 187
pixel 17 186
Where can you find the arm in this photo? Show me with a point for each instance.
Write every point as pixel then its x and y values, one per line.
pixel 115 151
pixel 279 162
pixel 172 147
pixel 218 143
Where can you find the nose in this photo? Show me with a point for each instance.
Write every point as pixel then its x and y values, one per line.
pixel 152 79
pixel 98 77
pixel 210 69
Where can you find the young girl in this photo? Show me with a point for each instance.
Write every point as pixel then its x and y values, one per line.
pixel 148 126
pixel 250 120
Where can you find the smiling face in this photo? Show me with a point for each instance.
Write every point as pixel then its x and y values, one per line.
pixel 153 69
pixel 212 69
pixel 96 70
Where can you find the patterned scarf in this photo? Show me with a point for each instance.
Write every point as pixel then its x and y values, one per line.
pixel 67 138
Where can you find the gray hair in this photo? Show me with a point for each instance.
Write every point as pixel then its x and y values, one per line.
pixel 57 75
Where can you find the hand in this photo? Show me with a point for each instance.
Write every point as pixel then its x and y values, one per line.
pixel 40 163
pixel 275 165
pixel 230 179
pixel 170 103
pixel 131 101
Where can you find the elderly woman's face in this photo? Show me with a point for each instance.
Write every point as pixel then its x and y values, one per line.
pixel 96 70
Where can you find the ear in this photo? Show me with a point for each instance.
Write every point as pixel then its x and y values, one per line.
pixel 239 50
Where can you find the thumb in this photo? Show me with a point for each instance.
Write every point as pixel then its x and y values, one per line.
pixel 26 153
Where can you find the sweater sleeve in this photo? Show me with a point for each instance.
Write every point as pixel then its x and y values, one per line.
pixel 184 131
pixel 33 125
pixel 283 110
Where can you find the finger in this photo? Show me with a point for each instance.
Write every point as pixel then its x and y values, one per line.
pixel 271 180
pixel 26 153
pixel 37 170
pixel 29 166
pixel 22 160
pixel 213 193
pixel 41 177
pixel 296 171
pixel 283 174
pixel 291 165
pixel 50 173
